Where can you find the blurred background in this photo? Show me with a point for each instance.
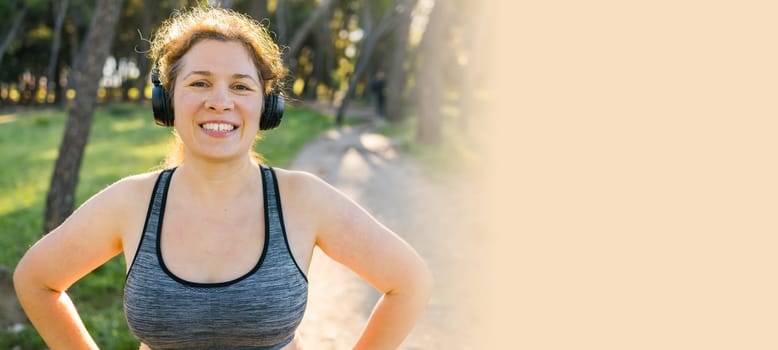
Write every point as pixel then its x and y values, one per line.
pixel 335 49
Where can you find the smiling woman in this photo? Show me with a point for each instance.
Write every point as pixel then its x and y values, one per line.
pixel 176 39
pixel 218 245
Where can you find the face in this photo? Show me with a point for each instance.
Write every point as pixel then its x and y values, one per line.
pixel 217 100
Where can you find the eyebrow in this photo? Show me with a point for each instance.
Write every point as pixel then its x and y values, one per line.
pixel 208 73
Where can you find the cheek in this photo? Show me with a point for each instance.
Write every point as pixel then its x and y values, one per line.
pixel 256 106
pixel 184 104
pixel 253 110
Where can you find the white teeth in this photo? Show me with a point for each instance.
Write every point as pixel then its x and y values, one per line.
pixel 221 127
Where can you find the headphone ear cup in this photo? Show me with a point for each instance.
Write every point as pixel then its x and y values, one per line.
pixel 161 103
pixel 272 112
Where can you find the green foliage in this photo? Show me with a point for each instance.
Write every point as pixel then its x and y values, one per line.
pixel 26 339
pixel 123 141
pixel 38 5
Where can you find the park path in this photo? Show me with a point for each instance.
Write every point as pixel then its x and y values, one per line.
pixel 433 215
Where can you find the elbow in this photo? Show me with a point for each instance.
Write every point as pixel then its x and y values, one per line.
pixel 417 284
pixel 424 282
pixel 25 278
pixel 21 277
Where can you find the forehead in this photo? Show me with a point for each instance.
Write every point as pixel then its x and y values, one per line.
pixel 217 56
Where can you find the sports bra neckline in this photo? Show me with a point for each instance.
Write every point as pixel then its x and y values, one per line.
pixel 158 243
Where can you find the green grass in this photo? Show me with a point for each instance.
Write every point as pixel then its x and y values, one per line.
pixel 123 141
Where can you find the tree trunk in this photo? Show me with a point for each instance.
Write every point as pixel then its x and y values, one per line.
pixel 9 37
pixel 281 21
pixel 75 45
pixel 75 54
pixel 258 9
pixel 364 57
pixel 60 96
pixel 52 80
pixel 322 66
pixel 367 16
pixel 309 89
pixel 324 61
pixel 297 41
pixel 86 76
pixel 367 22
pixel 397 74
pixel 388 21
pixel 327 51
pixel 430 75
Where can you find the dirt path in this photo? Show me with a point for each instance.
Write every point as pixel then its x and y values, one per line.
pixel 433 216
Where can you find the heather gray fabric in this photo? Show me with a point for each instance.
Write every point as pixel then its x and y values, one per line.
pixel 260 310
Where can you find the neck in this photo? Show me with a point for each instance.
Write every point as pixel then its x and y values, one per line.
pixel 219 180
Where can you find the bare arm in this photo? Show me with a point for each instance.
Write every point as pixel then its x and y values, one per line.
pixel 350 235
pixel 86 240
pixel 54 316
pixel 397 311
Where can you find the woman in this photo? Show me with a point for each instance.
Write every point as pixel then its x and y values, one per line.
pixel 218 246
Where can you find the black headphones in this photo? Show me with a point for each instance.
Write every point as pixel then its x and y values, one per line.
pixel 161 103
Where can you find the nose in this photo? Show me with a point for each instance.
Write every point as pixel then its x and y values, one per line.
pixel 219 100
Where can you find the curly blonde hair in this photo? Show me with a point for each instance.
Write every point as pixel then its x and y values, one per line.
pixel 185 28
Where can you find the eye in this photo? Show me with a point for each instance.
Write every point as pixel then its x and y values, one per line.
pixel 241 87
pixel 199 83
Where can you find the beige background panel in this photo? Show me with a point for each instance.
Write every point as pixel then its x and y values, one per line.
pixel 632 175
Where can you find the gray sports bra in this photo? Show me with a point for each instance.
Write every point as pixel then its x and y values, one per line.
pixel 259 310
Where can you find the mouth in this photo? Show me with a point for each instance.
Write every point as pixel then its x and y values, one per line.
pixel 218 127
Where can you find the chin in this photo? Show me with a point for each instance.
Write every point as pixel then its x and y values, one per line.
pixel 223 157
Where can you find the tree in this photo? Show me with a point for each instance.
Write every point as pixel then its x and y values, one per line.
pixel 477 42
pixel 60 9
pixel 11 34
pixel 397 73
pixel 297 40
pixel 430 74
pixel 323 60
pixel 388 21
pixel 282 20
pixel 258 9
pixel 86 75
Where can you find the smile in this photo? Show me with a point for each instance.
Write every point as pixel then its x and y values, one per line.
pixel 218 127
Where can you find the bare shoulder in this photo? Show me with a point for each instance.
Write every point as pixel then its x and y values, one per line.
pixel 127 196
pixel 308 193
pixel 296 182
pixel 321 201
pixel 132 187
pixel 142 180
